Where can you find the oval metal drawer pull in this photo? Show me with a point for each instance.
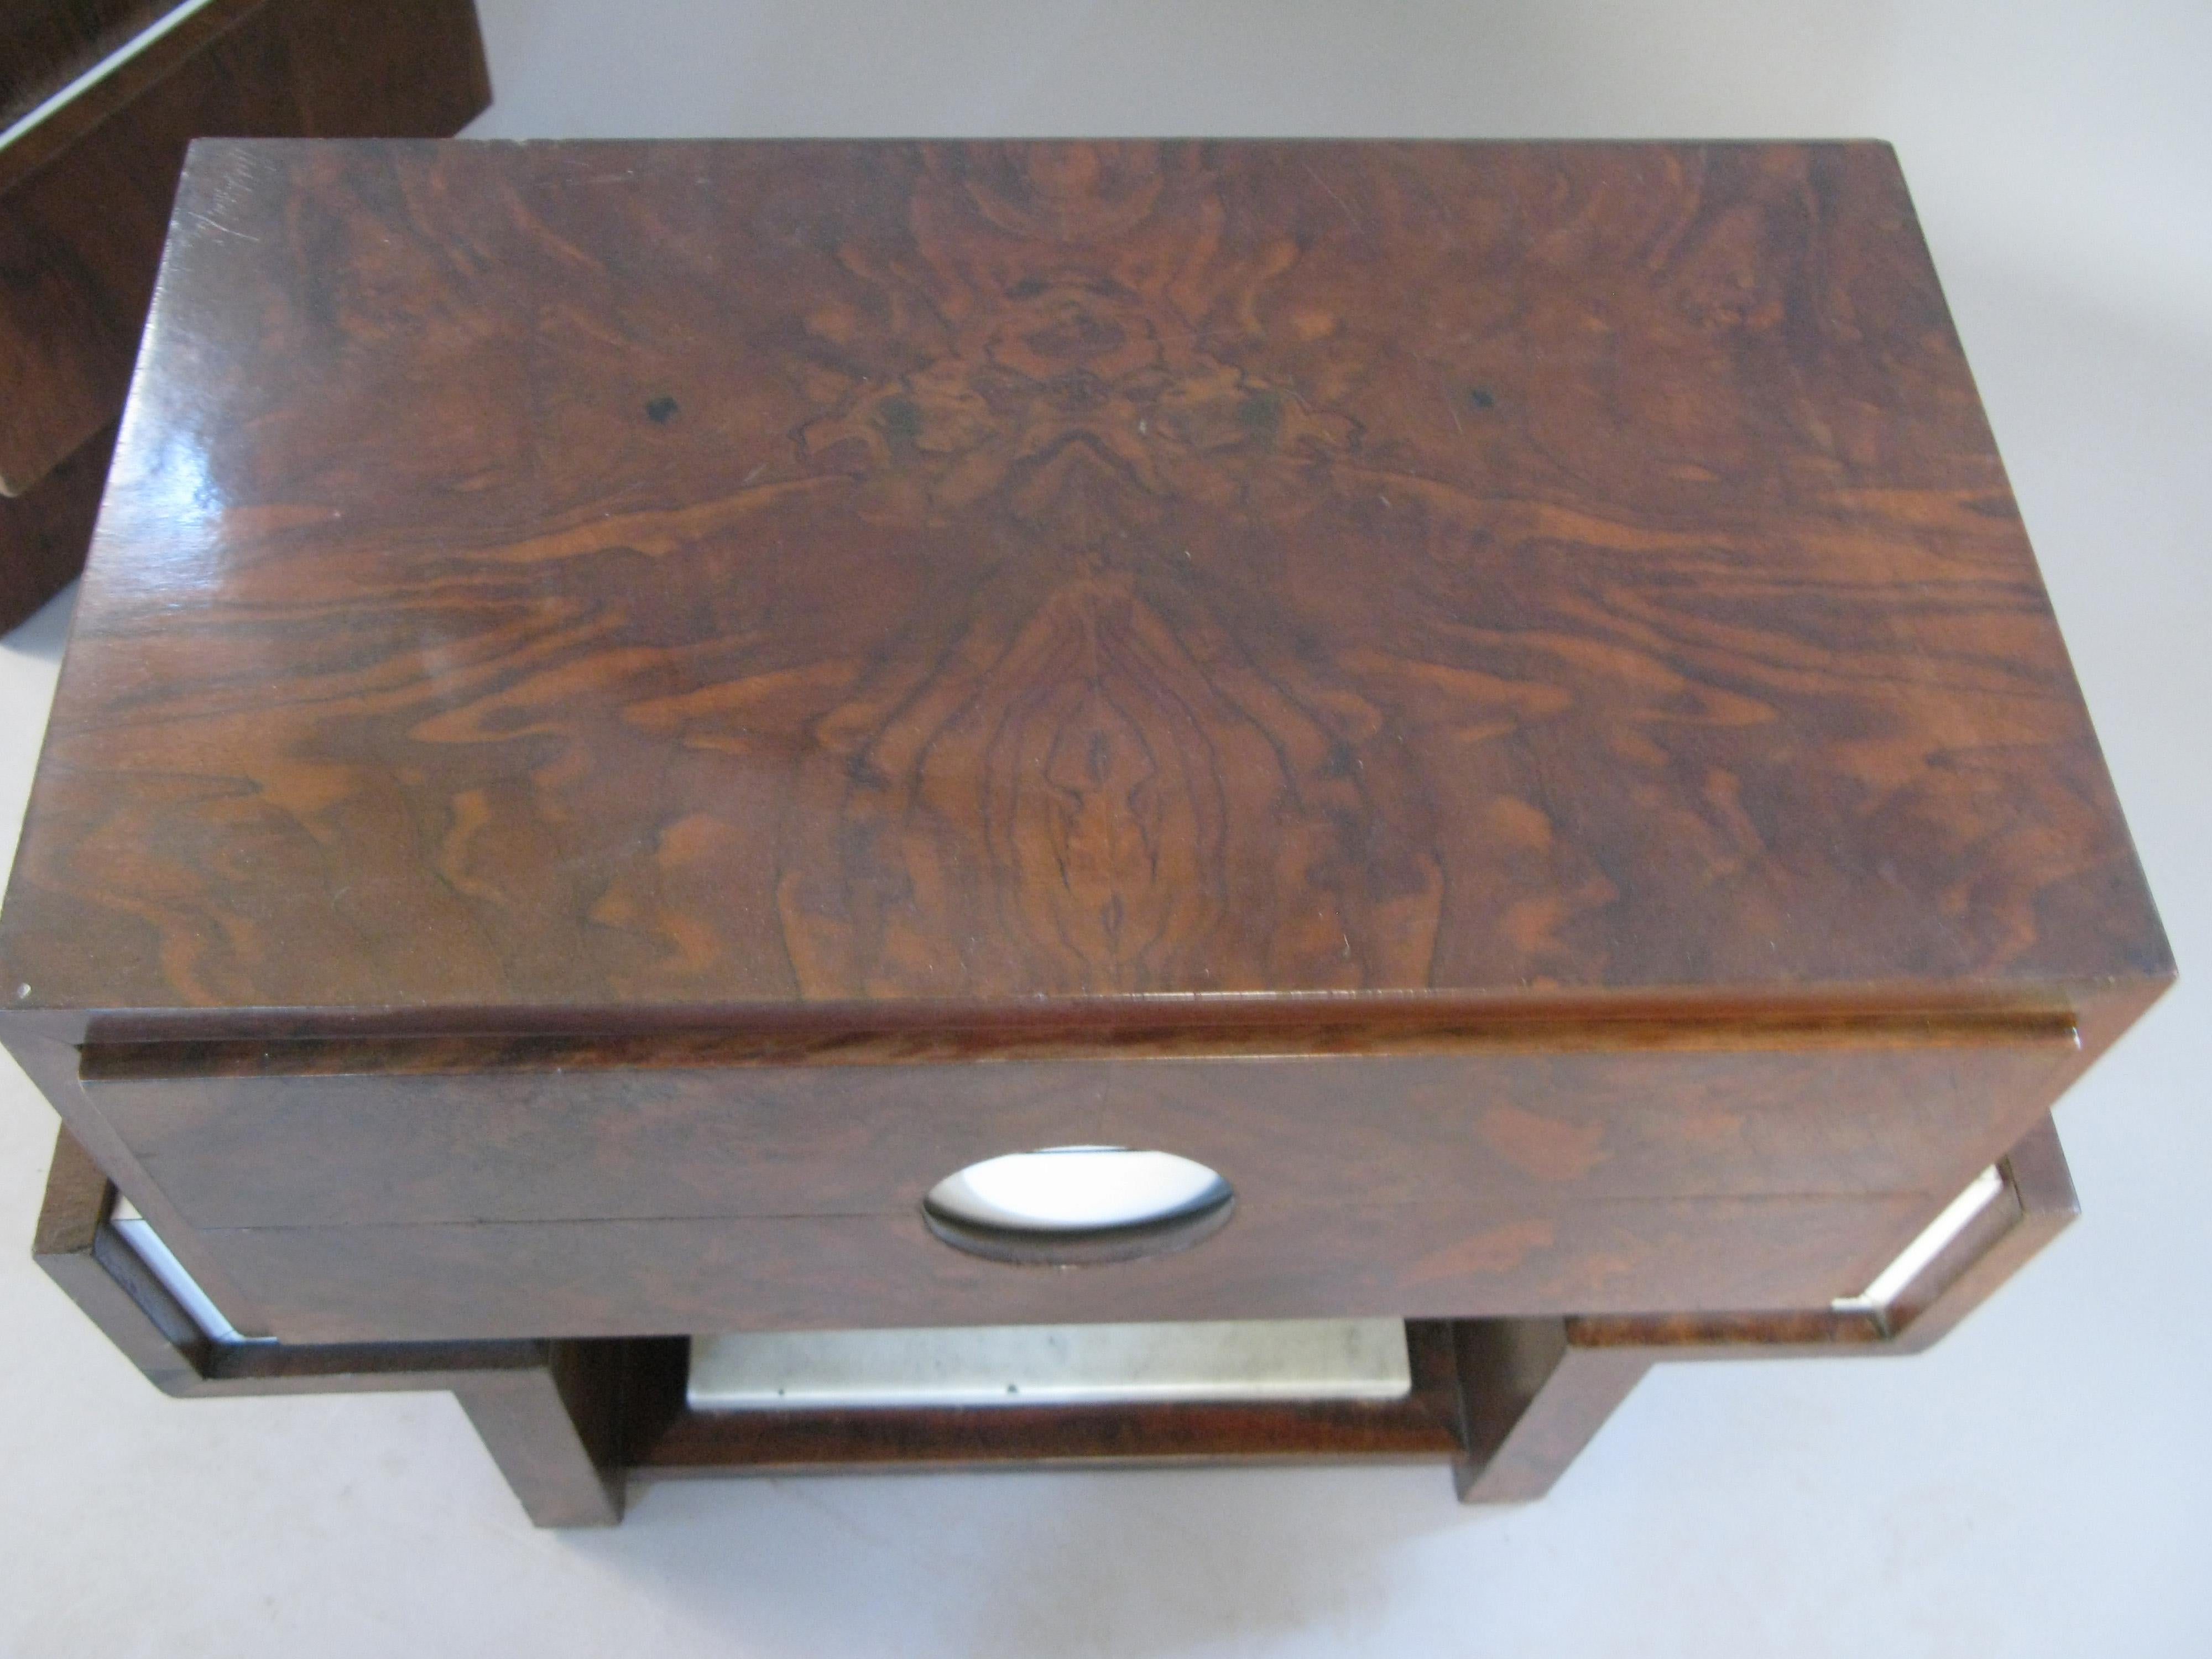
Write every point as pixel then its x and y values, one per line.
pixel 1067 1205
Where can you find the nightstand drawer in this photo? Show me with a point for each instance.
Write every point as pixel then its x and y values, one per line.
pixel 348 1134
pixel 1274 1261
pixel 398 1189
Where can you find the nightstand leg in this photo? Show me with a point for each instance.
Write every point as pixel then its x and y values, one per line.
pixel 555 1433
pixel 1530 1401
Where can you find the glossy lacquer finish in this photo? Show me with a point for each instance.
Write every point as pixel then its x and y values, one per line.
pixel 98 100
pixel 636 707
pixel 755 576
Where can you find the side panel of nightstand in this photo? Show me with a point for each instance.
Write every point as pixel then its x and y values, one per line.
pixel 542 1408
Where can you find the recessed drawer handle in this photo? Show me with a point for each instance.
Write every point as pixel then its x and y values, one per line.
pixel 1064 1206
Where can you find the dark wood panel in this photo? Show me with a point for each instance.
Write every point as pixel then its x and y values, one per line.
pixel 949 574
pixel 45 44
pixel 555 1431
pixel 1526 1130
pixel 52 1065
pixel 85 195
pixel 1533 1400
pixel 644 1278
pixel 44 534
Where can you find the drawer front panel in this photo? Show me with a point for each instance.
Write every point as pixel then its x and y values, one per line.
pixel 1272 1260
pixel 1465 1134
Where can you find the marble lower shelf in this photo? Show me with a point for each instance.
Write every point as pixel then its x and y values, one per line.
pixel 1052 1364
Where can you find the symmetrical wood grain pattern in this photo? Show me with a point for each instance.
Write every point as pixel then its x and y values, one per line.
pixel 637 704
pixel 1509 1402
pixel 739 575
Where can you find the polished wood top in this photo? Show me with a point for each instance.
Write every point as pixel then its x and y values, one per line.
pixel 553 576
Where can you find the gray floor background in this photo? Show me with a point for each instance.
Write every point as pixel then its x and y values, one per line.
pixel 2039 1485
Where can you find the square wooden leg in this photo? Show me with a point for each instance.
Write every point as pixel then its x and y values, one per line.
pixel 1534 1400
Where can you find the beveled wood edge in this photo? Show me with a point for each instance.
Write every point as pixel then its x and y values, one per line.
pixel 2038 1204
pixel 1287 1027
pixel 1509 1402
pixel 2037 1001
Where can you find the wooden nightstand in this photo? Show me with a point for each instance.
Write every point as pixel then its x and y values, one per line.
pixel 638 707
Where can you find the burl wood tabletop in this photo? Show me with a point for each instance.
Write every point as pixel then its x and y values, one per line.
pixel 556 576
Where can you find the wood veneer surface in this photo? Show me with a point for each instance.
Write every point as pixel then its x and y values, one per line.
pixel 86 191
pixel 544 580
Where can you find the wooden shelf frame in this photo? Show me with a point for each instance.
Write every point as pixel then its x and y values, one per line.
pixel 1508 1403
